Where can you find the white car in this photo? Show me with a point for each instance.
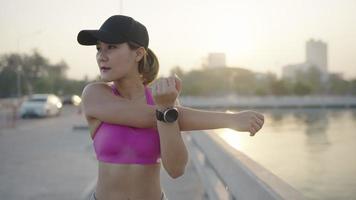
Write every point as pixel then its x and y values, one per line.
pixel 41 105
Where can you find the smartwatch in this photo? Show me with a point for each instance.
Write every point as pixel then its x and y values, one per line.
pixel 168 115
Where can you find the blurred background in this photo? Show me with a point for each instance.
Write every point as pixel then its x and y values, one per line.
pixel 293 61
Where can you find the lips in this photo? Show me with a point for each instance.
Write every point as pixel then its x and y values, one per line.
pixel 103 68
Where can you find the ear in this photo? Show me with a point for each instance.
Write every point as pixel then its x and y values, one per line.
pixel 139 54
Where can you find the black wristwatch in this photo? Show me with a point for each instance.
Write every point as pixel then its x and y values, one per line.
pixel 169 115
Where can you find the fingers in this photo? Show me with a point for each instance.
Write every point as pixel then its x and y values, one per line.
pixel 260 117
pixel 157 87
pixel 178 83
pixel 166 84
pixel 259 122
pixel 252 133
pixel 171 82
pixel 256 124
pixel 164 91
pixel 254 128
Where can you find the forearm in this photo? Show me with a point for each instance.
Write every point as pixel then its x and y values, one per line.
pixel 117 110
pixel 194 119
pixel 174 154
pixel 143 116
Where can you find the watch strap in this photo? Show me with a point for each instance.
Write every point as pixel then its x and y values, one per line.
pixel 159 115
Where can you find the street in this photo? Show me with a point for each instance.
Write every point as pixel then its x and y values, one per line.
pixel 45 158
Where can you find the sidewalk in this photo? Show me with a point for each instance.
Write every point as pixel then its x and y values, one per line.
pixel 45 159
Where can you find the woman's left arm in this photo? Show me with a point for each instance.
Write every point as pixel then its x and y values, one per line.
pixel 174 154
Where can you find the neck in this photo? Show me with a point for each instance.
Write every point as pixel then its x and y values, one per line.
pixel 130 88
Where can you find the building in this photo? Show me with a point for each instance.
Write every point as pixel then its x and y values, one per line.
pixel 290 71
pixel 216 60
pixel 315 55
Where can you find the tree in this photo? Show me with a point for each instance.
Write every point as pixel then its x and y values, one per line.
pixel 310 78
pixel 37 75
pixel 302 89
pixel 176 70
pixel 337 85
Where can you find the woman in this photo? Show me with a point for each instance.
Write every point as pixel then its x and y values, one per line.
pixel 136 128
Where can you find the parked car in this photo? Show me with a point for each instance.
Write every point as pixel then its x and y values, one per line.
pixel 41 105
pixel 71 99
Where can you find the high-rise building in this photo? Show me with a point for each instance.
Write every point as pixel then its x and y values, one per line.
pixel 316 54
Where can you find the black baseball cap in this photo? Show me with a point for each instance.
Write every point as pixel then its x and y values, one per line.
pixel 116 29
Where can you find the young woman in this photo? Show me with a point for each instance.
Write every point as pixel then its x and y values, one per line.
pixel 136 128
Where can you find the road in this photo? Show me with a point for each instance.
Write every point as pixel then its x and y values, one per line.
pixel 46 159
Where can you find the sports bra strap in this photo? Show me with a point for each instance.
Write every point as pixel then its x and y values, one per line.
pixel 114 90
pixel 149 98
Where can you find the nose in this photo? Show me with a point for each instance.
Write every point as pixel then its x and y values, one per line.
pixel 101 56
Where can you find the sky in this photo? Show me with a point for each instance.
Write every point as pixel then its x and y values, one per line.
pixel 262 36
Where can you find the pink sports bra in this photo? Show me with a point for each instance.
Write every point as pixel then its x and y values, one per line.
pixel 115 143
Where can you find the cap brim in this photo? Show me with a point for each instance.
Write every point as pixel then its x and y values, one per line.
pixel 91 37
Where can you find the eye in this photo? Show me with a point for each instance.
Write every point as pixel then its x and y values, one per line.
pixel 97 48
pixel 112 46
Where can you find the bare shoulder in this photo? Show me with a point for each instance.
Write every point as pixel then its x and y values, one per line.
pixel 96 92
pixel 95 88
pixel 93 96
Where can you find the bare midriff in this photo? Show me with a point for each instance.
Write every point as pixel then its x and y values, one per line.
pixel 128 181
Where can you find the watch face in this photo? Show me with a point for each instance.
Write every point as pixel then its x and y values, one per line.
pixel 171 115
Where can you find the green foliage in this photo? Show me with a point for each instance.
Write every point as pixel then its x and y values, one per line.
pixel 353 87
pixel 216 81
pixel 229 80
pixel 301 89
pixel 338 86
pixel 36 75
pixel 176 70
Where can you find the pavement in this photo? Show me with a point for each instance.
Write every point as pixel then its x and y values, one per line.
pixel 53 158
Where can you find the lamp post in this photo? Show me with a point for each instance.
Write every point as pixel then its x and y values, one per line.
pixel 19 70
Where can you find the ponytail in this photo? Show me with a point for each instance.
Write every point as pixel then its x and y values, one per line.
pixel 148 66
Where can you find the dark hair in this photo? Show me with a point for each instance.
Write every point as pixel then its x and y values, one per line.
pixel 148 66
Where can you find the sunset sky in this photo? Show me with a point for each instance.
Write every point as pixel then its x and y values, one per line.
pixel 259 35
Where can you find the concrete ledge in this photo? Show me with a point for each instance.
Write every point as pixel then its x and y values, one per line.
pixel 241 177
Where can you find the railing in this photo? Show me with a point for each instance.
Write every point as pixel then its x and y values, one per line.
pixel 229 174
pixel 270 101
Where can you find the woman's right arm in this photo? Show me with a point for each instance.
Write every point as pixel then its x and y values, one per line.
pixel 100 103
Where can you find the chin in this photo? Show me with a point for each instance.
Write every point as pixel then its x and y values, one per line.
pixel 105 79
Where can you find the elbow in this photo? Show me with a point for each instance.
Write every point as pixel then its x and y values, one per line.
pixel 176 173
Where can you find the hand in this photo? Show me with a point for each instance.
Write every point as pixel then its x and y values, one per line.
pixel 250 121
pixel 165 91
pixel 178 82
